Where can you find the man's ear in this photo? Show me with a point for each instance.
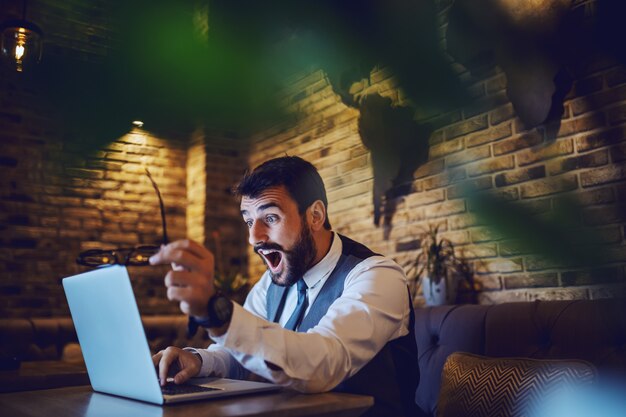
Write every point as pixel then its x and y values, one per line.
pixel 317 215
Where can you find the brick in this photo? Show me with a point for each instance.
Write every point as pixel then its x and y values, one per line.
pixel 613 254
pixel 488 282
pixel 468 187
pixel 501 114
pixel 446 148
pixel 352 164
pixel 520 175
pixel 424 198
pixel 496 84
pixel 60 201
pixel 445 209
pixel 608 291
pixel 458 238
pixel 468 126
pixel 429 168
pixel 605 215
pixel 478 251
pixel 448 177
pixel 380 74
pixel 581 124
pixel 530 281
pixel 604 175
pixel 559 294
pixel 493 165
pixel 436 137
pixel 514 248
pixel 498 297
pixel 539 262
pixel 589 160
pixel 81 212
pixel 445 119
pixel 526 140
pixel 468 156
pixel 598 100
pixel 485 235
pixel 595 196
pixel 592 276
pixel 502 265
pixel 618 153
pixel 553 150
pixel 410 245
pixel 490 135
pixel 601 139
pixel 617 114
pixel 85 173
pixel 549 186
pixel 464 221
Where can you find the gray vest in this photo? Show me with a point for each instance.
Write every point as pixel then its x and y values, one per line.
pixel 391 377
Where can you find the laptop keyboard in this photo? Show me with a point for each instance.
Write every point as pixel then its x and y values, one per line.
pixel 173 389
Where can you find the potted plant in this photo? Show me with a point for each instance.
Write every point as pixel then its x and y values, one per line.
pixel 436 268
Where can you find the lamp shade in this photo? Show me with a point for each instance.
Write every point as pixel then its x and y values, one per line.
pixel 21 44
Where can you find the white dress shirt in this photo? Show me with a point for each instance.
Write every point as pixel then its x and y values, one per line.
pixel 372 310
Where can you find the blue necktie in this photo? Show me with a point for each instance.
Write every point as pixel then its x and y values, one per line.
pixel 298 313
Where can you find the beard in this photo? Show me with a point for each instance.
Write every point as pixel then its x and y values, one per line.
pixel 297 260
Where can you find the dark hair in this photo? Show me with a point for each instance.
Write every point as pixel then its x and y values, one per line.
pixel 300 178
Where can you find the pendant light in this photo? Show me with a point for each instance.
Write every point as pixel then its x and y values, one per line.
pixel 21 43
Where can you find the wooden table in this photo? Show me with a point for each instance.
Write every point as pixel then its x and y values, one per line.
pixel 43 375
pixel 83 402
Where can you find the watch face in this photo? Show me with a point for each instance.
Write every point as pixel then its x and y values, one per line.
pixel 223 308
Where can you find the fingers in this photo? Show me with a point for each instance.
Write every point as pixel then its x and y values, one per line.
pixel 186 254
pixel 168 356
pixel 191 281
pixel 185 374
pixel 172 358
pixel 191 289
pixel 185 278
pixel 156 358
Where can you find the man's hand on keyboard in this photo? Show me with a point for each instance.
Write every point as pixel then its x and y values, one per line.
pixel 178 363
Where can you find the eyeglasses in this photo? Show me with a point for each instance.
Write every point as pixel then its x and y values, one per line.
pixel 135 256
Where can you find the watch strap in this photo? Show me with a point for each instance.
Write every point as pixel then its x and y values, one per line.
pixel 212 319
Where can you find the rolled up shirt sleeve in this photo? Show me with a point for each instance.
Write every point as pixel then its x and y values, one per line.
pixel 372 310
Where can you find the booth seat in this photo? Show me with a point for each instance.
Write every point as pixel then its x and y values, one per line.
pixel 587 330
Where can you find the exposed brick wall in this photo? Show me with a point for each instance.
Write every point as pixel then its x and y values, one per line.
pixel 486 146
pixel 59 194
pixel 215 164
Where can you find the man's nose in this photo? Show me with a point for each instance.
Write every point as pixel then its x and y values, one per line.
pixel 257 234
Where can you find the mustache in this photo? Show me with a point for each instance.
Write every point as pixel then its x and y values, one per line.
pixel 268 246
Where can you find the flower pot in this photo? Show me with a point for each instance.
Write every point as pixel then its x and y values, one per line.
pixel 441 292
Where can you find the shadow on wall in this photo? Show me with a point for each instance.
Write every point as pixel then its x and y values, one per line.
pixel 398 145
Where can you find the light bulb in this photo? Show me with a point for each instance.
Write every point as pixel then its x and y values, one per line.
pixel 19 52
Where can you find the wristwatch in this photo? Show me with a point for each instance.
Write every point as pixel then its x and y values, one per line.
pixel 219 312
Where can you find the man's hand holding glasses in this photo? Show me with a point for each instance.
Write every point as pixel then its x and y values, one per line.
pixel 190 282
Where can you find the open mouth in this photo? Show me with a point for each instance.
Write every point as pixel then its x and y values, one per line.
pixel 273 259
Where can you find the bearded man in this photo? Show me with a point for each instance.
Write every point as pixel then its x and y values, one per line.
pixel 346 324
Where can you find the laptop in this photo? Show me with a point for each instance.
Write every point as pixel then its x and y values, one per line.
pixel 115 348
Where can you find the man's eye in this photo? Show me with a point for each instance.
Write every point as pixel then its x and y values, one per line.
pixel 271 219
pixel 249 223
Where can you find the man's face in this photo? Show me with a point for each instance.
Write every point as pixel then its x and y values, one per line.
pixel 279 234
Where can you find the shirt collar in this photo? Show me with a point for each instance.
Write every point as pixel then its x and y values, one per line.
pixel 323 268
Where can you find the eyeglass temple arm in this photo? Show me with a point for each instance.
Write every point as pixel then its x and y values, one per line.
pixel 165 239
